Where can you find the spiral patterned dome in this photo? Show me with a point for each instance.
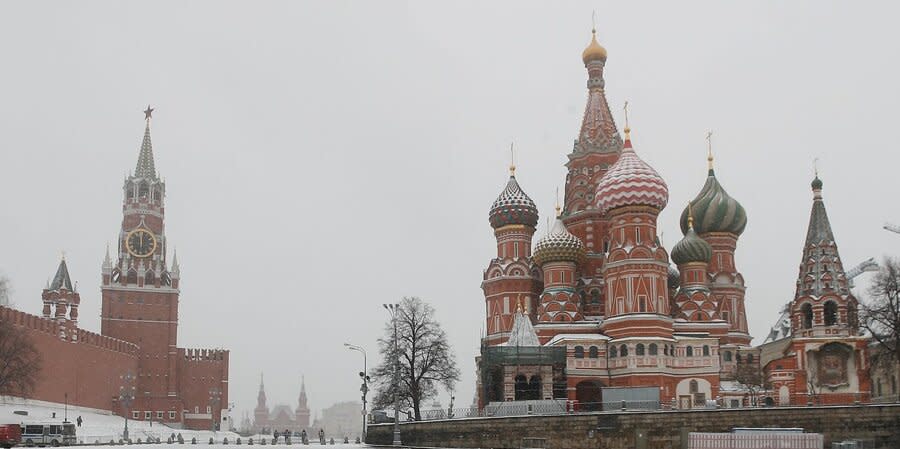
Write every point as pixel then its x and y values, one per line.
pixel 714 210
pixel 674 277
pixel 631 182
pixel 691 248
pixel 513 206
pixel 559 245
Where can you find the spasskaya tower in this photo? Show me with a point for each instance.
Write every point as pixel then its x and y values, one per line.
pixel 140 293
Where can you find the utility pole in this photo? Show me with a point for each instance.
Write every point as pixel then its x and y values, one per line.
pixel 394 309
pixel 365 386
pixel 126 397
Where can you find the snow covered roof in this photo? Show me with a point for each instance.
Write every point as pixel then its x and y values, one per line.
pixel 523 333
pixel 580 337
pixel 781 329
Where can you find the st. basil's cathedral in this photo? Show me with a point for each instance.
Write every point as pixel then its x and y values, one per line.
pixel 600 304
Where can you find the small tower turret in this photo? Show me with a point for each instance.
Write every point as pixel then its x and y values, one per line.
pixel 511 276
pixel 558 254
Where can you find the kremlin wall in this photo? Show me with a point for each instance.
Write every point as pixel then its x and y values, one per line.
pixel 136 350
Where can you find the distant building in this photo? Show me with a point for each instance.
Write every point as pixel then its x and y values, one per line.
pixel 281 417
pixel 343 419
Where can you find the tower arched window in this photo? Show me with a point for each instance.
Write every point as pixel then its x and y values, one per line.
pixel 807 312
pixel 654 350
pixel 727 356
pixel 593 352
pixel 831 313
pixel 689 351
pixel 149 278
pixel 639 349
pixel 694 387
pixel 749 358
pixel 706 350
pixel 143 191
pixel 623 350
pixel 579 352
pixel 132 277
pixel 665 349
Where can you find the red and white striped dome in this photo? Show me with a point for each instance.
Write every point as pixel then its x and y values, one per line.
pixel 631 182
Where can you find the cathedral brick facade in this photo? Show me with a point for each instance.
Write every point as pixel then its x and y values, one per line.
pixel 600 292
pixel 137 348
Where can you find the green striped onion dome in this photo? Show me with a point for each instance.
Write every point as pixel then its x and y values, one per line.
pixel 714 210
pixel 691 248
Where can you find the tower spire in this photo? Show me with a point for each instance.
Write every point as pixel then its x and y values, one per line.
pixel 709 155
pixel 145 166
pixel 61 279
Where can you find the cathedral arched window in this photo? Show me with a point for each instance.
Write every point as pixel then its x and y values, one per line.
pixel 694 387
pixel 521 387
pixel 654 350
pixel 665 349
pixel 727 356
pixel 705 350
pixel 623 350
pixel 807 312
pixel 639 349
pixel 579 352
pixel 831 313
pixel 689 351
pixel 749 359
pixel 593 352
pixel 613 352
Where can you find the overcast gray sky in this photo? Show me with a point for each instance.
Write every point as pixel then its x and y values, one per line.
pixel 324 158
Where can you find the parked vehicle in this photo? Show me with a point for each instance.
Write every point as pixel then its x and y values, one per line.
pixel 49 434
pixel 10 435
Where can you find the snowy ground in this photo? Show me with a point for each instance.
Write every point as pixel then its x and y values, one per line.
pixel 100 426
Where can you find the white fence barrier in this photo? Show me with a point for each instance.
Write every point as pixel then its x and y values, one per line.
pixel 756 440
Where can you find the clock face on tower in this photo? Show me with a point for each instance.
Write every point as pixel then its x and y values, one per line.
pixel 140 243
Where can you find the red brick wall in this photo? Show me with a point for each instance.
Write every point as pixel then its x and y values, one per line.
pixel 86 369
pixel 201 370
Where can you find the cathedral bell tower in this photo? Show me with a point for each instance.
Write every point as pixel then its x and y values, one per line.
pixel 139 289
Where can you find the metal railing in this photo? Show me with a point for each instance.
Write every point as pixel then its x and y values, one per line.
pixel 565 407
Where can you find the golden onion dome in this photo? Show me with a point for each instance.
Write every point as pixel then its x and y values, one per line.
pixel 594 50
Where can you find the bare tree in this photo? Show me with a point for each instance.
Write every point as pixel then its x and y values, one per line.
pixel 20 361
pixel 881 313
pixel 5 290
pixel 751 375
pixel 425 358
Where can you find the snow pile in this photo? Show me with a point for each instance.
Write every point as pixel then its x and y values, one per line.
pixel 99 425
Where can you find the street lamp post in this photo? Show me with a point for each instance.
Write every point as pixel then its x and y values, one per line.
pixel 126 397
pixel 215 396
pixel 394 309
pixel 365 385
